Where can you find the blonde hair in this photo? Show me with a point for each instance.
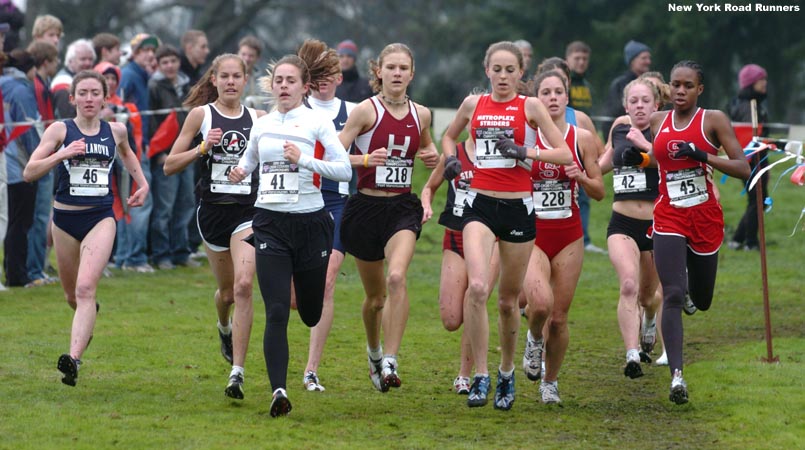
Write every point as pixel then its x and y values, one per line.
pixel 375 64
pixel 315 61
pixel 655 92
pixel 204 92
pixel 44 23
pixel 663 90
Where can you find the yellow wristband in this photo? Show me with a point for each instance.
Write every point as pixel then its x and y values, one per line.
pixel 646 160
pixel 366 160
pixel 202 148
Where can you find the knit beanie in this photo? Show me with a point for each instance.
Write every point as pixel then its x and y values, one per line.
pixel 632 49
pixel 749 74
pixel 347 47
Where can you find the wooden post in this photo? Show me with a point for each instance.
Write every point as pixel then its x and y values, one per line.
pixel 762 239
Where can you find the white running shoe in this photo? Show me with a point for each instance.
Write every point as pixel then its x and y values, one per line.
pixel 374 374
pixel 532 358
pixel 679 389
pixel 632 368
pixel 462 385
pixel 648 334
pixel 389 372
pixel 689 307
pixel 662 360
pixel 280 405
pixel 550 392
pixel 311 382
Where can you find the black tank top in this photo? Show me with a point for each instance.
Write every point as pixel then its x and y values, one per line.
pixel 213 186
pixel 631 182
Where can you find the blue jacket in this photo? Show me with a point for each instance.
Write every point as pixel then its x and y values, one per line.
pixel 134 89
pixel 20 106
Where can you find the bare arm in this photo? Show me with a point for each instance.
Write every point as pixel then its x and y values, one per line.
pixel 181 155
pixel 431 186
pixel 360 120
pixel 590 179
pixel 427 149
pixel 45 157
pixel 584 122
pixel 719 127
pixel 131 163
pixel 460 121
pixel 538 117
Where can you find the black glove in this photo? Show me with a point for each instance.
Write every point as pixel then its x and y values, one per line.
pixel 632 157
pixel 509 149
pixel 452 168
pixel 689 150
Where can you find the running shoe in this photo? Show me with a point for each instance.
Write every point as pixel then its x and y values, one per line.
pixel 280 405
pixel 689 307
pixel 633 369
pixel 478 391
pixel 679 389
pixel 235 387
pixel 226 346
pixel 504 392
pixel 648 334
pixel 311 382
pixel 662 360
pixel 550 392
pixel 532 358
pixel 389 372
pixel 462 385
pixel 374 374
pixel 592 248
pixel 69 367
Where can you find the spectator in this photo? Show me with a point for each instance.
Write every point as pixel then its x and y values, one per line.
pixel 11 15
pixel 354 88
pixel 46 62
pixel 132 237
pixel 577 56
pixel 4 27
pixel 752 81
pixel 528 56
pixel 47 28
pixel 249 50
pixel 17 88
pixel 194 54
pixel 107 48
pixel 80 56
pixel 174 202
pixel 637 57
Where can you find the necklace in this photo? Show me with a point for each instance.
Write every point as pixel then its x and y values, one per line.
pixel 395 102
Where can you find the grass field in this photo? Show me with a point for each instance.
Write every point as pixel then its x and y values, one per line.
pixel 154 377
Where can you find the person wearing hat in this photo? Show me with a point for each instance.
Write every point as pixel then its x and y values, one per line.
pixel 354 88
pixel 752 81
pixel 637 57
pixel 132 237
pixel 18 95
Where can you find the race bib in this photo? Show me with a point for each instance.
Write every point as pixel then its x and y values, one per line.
pixel 219 180
pixel 486 157
pixel 279 182
pixel 687 187
pixel 89 177
pixel 627 180
pixel 552 199
pixel 462 190
pixel 395 174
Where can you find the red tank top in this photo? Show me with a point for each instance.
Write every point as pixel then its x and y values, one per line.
pixel 683 182
pixel 490 121
pixel 555 194
pixel 401 139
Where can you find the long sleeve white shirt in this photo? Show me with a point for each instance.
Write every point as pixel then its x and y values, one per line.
pixel 322 155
